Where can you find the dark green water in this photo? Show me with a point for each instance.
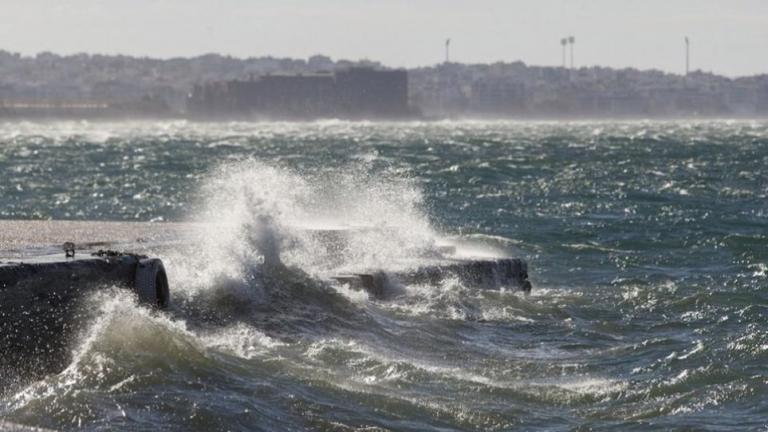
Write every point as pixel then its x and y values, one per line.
pixel 647 244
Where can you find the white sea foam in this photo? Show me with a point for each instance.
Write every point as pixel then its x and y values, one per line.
pixel 323 224
pixel 124 344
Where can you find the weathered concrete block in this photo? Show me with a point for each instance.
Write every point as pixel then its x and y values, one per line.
pixel 39 302
pixel 485 274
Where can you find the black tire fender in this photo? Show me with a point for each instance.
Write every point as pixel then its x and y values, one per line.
pixel 151 283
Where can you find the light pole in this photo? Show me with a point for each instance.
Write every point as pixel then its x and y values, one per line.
pixel 564 42
pixel 571 40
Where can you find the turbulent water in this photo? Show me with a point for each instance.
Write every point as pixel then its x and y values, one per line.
pixel 647 245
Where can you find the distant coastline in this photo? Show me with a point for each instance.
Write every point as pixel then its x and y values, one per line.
pixel 50 86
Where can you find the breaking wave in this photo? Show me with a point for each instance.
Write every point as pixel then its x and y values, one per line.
pixel 647 310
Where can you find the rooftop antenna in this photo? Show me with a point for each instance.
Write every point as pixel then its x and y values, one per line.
pixel 571 40
pixel 448 50
pixel 564 42
pixel 687 56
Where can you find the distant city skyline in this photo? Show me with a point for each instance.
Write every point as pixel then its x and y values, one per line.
pixel 725 38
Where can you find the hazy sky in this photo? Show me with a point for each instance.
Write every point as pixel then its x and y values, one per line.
pixel 727 36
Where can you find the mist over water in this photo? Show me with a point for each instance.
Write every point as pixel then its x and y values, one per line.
pixel 647 245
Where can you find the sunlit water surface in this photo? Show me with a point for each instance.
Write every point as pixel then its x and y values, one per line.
pixel 647 244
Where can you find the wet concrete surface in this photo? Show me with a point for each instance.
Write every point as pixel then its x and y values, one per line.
pixel 24 238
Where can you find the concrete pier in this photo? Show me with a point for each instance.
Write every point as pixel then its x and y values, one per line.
pixel 498 273
pixel 20 238
pixel 41 290
pixel 41 305
pixel 435 265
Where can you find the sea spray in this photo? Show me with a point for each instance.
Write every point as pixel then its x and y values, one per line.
pixel 648 311
pixel 254 214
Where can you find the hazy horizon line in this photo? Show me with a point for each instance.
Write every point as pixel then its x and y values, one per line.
pixel 276 56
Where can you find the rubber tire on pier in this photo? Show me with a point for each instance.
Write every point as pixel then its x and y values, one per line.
pixel 151 283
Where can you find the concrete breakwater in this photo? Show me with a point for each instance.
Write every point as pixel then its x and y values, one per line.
pixel 40 306
pixel 20 238
pixel 42 287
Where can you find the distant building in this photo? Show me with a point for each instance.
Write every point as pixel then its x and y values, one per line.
pixel 498 96
pixel 348 93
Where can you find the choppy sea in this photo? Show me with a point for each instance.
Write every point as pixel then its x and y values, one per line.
pixel 647 246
